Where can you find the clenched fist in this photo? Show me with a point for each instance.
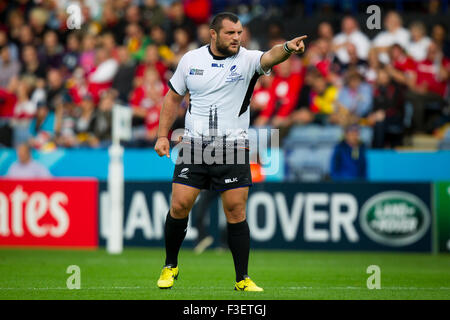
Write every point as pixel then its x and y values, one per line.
pixel 162 147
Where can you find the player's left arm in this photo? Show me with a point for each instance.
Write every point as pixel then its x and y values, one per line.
pixel 281 52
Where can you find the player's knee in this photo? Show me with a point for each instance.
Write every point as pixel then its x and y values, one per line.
pixel 235 213
pixel 180 209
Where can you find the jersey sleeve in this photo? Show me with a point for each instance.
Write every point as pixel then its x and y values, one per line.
pixel 178 81
pixel 255 60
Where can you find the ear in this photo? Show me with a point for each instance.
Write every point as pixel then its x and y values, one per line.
pixel 213 34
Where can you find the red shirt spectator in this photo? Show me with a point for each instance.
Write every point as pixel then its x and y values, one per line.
pixel 7 102
pixel 198 10
pixel 147 98
pixel 152 60
pixel 285 87
pixel 428 76
pixel 404 63
pixel 101 78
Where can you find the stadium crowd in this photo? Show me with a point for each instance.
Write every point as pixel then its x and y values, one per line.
pixel 58 85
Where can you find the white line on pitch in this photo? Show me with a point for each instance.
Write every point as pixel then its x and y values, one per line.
pixel 227 289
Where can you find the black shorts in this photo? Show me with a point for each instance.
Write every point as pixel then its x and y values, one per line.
pixel 217 176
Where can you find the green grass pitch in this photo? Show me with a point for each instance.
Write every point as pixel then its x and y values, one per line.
pixel 288 275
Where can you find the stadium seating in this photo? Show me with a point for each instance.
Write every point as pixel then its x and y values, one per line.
pixel 308 150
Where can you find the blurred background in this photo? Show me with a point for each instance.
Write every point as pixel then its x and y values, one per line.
pixel 363 114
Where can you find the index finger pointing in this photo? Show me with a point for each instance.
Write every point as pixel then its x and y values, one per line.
pixel 301 38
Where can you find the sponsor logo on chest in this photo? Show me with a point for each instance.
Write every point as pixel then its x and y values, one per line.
pixel 234 75
pixel 196 72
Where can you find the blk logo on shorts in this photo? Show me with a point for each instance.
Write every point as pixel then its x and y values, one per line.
pixel 184 173
pixel 231 180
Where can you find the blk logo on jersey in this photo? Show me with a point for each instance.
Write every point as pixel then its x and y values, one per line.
pixel 196 72
pixel 234 75
pixel 217 65
pixel 233 180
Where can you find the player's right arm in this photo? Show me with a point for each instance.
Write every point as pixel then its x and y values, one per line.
pixel 167 117
pixel 171 102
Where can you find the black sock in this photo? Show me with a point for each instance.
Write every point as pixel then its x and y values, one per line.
pixel 174 233
pixel 239 243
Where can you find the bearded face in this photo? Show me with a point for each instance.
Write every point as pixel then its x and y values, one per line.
pixel 228 40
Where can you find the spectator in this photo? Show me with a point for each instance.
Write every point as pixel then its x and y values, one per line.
pixel 123 79
pixel 151 60
pixel 348 161
pixel 247 41
pixel 15 23
pixel 13 50
pixel 418 46
pixel 102 127
pixel 350 35
pixel 152 14
pixel 401 67
pixel 302 113
pixel 178 19
pixel 110 21
pixel 136 41
pixel 133 14
pixel 198 10
pixel 263 96
pixel 85 120
pixel 394 34
pixel 373 64
pixel 325 31
pixel 51 52
pixel 8 68
pixel 439 35
pixel 427 88
pixel 108 42
pixel 38 18
pixel 7 102
pixel 24 109
pixel 146 101
pixel 101 78
pixel 321 57
pixel 322 102
pixel 355 99
pixel 87 58
pixel 27 37
pixel 203 36
pixel 354 62
pixel 387 116
pixel 42 127
pixel 31 64
pixel 182 44
pixel 25 167
pixel 55 88
pixel 66 119
pixel 158 36
pixel 317 99
pixel 286 85
pixel 71 57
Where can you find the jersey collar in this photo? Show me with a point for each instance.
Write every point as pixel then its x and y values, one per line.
pixel 214 56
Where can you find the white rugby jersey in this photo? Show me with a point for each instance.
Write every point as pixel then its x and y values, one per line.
pixel 220 89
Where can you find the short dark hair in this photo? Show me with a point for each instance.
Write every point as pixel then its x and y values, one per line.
pixel 216 22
